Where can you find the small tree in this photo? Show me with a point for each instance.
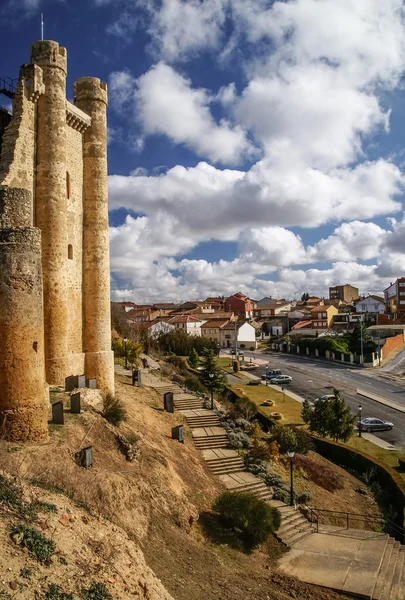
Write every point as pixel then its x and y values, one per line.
pixel 320 417
pixel 306 411
pixel 211 375
pixel 235 366
pixel 134 350
pixel 193 359
pixel 305 296
pixel 341 421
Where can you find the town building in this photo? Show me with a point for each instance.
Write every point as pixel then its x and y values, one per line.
pixel 370 305
pixel 322 317
pixel 346 292
pixel 54 243
pixel 240 305
pixel 394 299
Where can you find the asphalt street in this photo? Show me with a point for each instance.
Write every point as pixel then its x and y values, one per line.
pixel 312 379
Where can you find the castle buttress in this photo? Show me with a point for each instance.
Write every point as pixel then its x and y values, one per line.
pixel 54 244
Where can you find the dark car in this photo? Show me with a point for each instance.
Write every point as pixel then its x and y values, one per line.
pixel 373 424
pixel 271 373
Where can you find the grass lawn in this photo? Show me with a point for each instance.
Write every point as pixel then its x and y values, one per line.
pixel 226 364
pixel 290 409
pixel 389 457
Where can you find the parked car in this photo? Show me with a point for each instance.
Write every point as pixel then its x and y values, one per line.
pixel 281 379
pixel 372 424
pixel 249 367
pixel 271 373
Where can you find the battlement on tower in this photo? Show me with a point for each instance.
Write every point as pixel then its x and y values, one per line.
pixel 54 250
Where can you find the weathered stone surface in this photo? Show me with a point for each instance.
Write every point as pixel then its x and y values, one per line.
pixel 54 277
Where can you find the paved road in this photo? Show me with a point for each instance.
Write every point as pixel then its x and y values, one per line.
pixel 313 379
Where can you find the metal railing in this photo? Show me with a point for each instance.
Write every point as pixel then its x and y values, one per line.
pixel 314 515
pixel 8 86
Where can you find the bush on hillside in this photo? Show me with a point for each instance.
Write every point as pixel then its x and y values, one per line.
pixel 292 438
pixel 253 518
pixel 113 410
pixel 194 385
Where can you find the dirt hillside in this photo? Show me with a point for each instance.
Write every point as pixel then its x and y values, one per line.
pixel 143 529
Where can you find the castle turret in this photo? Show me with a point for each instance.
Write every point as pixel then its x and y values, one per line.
pixel 90 95
pixel 50 203
pixel 23 410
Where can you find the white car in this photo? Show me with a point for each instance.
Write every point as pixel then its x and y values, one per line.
pixel 281 379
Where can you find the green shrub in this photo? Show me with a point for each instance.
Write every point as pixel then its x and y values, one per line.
pixel 55 592
pixel 253 518
pixel 194 385
pixel 96 591
pixel 36 543
pixel 113 410
pixel 10 494
pixel 292 438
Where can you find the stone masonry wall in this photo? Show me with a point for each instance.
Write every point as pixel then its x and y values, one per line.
pixel 74 194
pixel 18 146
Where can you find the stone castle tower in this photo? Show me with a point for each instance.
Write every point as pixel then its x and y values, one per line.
pixel 54 244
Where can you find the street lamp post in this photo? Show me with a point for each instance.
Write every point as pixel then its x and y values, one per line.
pixel 267 368
pixel 361 340
pixel 291 456
pixel 211 376
pixel 125 352
pixel 359 419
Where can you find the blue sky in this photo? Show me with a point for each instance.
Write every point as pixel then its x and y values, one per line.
pixel 253 146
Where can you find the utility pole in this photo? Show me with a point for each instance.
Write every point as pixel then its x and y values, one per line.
pixel 361 340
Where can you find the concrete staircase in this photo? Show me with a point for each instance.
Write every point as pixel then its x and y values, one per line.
pixel 243 481
pixel 187 402
pixel 201 418
pixel 294 526
pixel 223 460
pixel 390 582
pixel 210 437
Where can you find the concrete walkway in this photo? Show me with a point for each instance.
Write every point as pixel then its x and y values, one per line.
pixel 363 563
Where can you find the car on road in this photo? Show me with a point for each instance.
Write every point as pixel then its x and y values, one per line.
pixel 249 367
pixel 271 373
pixel 281 379
pixel 372 424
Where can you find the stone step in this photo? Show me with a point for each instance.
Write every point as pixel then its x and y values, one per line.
pixel 210 418
pixel 251 487
pixel 264 494
pixel 299 535
pixel 225 461
pixel 383 573
pixel 226 469
pixel 212 443
pixel 198 438
pixel 288 524
pixel 203 423
pixel 398 587
pixel 386 595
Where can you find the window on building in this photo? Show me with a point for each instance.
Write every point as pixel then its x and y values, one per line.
pixel 402 284
pixel 402 293
pixel 70 252
pixel 67 185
